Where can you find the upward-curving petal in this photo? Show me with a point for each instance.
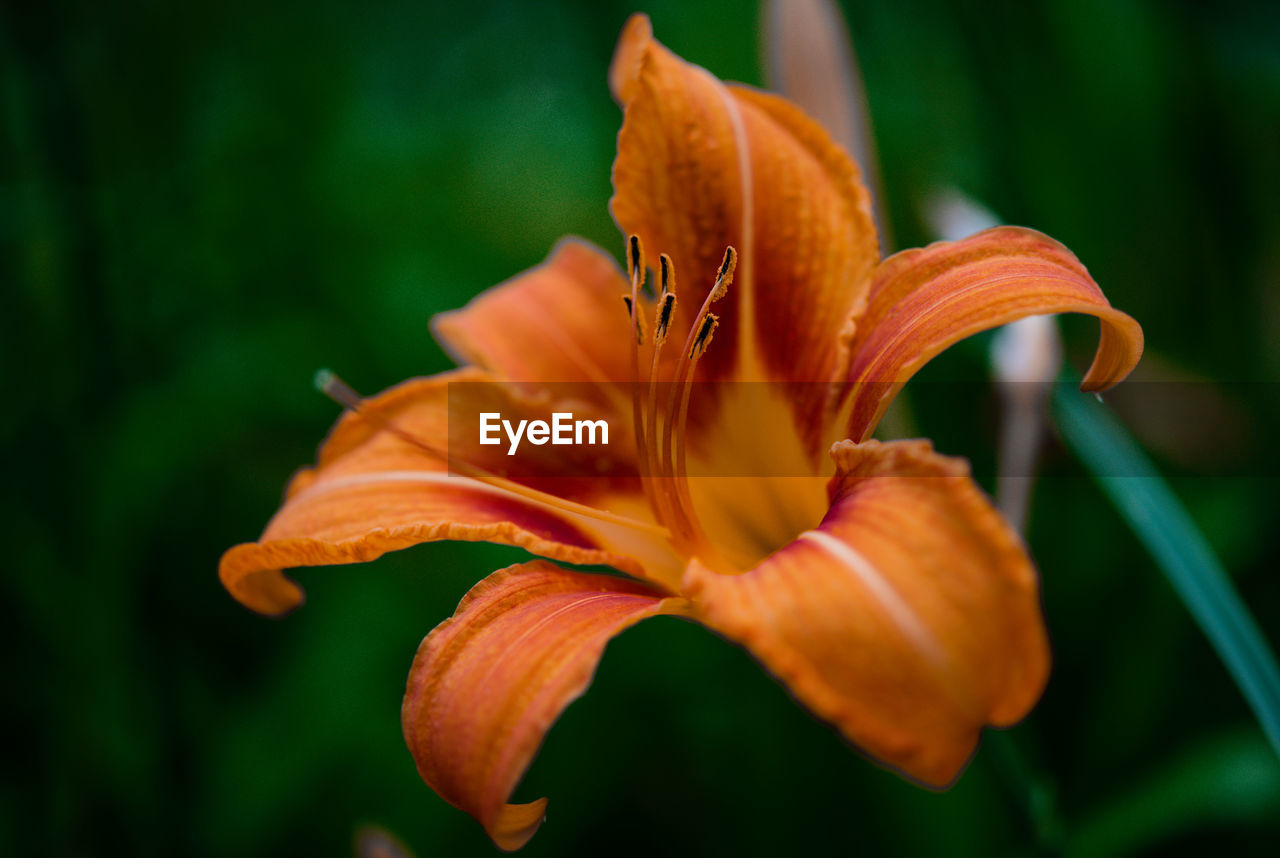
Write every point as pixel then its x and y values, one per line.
pixel 926 299
pixel 702 166
pixel 488 683
pixel 562 323
pixel 909 618
pixel 375 490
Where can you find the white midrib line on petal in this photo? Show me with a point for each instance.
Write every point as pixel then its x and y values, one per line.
pixel 874 581
pixel 749 368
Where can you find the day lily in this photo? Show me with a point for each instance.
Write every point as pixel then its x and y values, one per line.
pixel 874 580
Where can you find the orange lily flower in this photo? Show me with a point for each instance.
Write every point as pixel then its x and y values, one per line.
pixel 874 580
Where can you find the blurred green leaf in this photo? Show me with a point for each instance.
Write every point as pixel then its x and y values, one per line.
pixel 1226 779
pixel 1177 546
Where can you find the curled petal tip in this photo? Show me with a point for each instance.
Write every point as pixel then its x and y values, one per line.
pixel 1120 348
pixel 267 591
pixel 624 70
pixel 516 824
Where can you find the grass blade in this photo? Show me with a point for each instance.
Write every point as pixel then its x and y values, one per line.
pixel 1162 524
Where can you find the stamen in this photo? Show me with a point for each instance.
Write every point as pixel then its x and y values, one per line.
pixel 635 258
pixel 662 318
pixel 663 321
pixel 696 332
pixel 636 320
pixel 342 393
pixel 709 325
pixel 635 261
pixel 681 419
pixel 725 277
pixel 673 466
pixel 657 494
pixel 663 474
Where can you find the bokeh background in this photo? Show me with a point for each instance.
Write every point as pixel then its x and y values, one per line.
pixel 203 203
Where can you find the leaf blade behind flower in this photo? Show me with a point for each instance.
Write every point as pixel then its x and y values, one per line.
pixel 1171 537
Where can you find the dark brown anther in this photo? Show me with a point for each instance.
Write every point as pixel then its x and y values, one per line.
pixel 636 320
pixel 730 260
pixel 725 275
pixel 635 257
pixel 665 311
pixel 703 339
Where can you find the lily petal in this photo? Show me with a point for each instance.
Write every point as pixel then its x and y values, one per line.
pixel 561 322
pixel 924 300
pixel 488 683
pixel 909 618
pixel 372 492
pixel 702 166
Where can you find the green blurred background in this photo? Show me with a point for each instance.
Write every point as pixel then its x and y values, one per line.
pixel 201 204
